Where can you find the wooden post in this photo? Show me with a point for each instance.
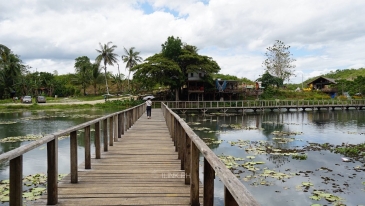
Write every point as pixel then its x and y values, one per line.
pixel 187 159
pixel 120 125
pixel 105 134
pixel 115 117
pixel 111 138
pixel 16 181
pixel 208 184
pixel 228 198
pixel 52 172
pixel 177 138
pixel 182 136
pixel 73 156
pixel 97 141
pixel 87 147
pixel 123 123
pixel 194 176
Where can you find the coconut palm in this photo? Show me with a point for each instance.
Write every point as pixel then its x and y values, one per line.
pixel 132 59
pixel 108 57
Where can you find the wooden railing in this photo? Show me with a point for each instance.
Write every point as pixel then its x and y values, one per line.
pixel 262 104
pixel 189 146
pixel 119 122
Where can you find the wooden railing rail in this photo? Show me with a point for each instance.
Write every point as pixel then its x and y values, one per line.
pixel 262 103
pixel 189 147
pixel 119 122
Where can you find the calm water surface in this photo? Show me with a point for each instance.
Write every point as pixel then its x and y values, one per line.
pixel 325 170
pixel 23 123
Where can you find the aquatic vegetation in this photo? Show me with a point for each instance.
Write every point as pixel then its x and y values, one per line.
pixel 21 138
pixel 299 156
pixel 7 122
pixel 36 186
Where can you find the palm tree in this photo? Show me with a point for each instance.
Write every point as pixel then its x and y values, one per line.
pixel 132 59
pixel 108 57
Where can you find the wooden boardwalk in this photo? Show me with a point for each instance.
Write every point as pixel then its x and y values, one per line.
pixel 142 168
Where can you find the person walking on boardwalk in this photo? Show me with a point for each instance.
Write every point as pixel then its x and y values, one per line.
pixel 149 106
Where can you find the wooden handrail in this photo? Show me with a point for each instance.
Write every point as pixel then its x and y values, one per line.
pixel 189 146
pixel 118 123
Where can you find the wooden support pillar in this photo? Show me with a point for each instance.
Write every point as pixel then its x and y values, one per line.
pixel 97 141
pixel 228 198
pixel 52 172
pixel 87 148
pixel 73 156
pixel 111 138
pixel 120 121
pixel 115 117
pixel 209 176
pixel 194 176
pixel 105 134
pixel 16 181
pixel 187 159
pixel 123 123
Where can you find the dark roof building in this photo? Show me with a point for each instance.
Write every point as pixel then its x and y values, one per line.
pixel 323 84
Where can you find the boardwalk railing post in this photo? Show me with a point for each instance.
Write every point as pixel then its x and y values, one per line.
pixel 194 176
pixel 73 156
pixel 87 148
pixel 182 140
pixel 228 198
pixel 52 172
pixel 123 123
pixel 97 141
pixel 115 117
pixel 187 159
pixel 209 175
pixel 105 134
pixel 111 138
pixel 120 122
pixel 16 181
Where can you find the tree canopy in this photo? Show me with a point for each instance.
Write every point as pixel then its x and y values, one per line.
pixel 278 61
pixel 172 65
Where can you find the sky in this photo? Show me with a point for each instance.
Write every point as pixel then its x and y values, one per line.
pixel 323 36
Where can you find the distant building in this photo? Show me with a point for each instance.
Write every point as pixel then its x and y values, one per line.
pixel 199 90
pixel 323 84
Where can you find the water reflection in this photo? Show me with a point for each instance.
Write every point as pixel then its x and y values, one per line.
pixel 283 184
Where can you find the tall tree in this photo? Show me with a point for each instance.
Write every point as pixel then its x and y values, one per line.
pixel 172 66
pixel 96 77
pixel 107 55
pixel 83 68
pixel 131 58
pixel 278 61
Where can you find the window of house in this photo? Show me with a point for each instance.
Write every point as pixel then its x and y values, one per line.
pixel 191 75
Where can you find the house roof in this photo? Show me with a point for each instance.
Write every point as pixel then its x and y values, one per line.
pixel 326 80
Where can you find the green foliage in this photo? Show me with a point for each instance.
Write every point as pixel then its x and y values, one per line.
pixel 225 77
pixel 351 150
pixel 158 69
pixel 268 80
pixel 121 104
pixel 83 68
pixel 171 49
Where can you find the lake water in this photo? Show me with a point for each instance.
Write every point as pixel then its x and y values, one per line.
pixel 267 142
pixel 273 177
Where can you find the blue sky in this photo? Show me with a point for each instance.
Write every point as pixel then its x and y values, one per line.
pixel 324 35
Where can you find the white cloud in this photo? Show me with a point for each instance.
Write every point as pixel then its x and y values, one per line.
pixel 324 36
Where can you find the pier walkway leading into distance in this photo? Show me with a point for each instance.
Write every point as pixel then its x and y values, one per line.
pixel 141 168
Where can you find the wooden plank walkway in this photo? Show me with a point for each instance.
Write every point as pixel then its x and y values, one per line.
pixel 142 168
